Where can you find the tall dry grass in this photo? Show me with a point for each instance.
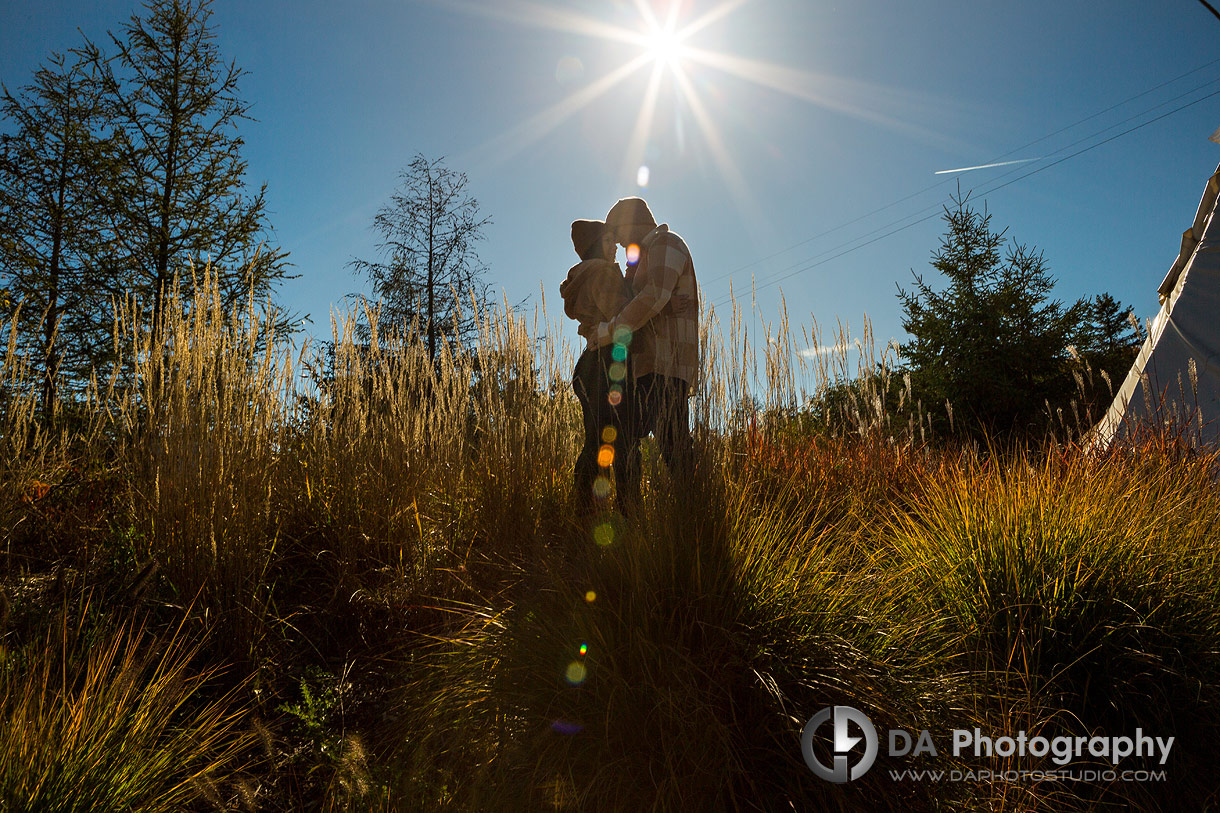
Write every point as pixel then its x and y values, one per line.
pixel 383 543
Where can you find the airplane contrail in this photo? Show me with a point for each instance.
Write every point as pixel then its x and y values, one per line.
pixel 985 166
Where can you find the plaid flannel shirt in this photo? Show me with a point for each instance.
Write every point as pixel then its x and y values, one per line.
pixel 665 338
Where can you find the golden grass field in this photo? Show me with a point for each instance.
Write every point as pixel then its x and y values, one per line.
pixel 244 574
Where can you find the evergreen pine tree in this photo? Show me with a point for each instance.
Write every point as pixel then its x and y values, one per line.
pixel 993 343
pixel 1108 343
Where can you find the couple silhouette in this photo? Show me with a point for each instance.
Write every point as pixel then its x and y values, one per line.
pixel 641 360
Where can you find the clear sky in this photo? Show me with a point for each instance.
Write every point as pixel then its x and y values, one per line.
pixel 778 135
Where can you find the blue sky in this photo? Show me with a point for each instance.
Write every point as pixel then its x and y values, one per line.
pixel 822 113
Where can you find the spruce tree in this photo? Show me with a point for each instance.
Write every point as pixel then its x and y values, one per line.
pixel 993 343
pixel 1107 346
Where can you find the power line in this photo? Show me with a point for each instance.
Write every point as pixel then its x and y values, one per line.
pixel 814 262
pixel 1037 141
pixel 1210 8
pixel 845 252
pixel 1013 151
pixel 1105 141
pixel 926 217
pixel 1106 129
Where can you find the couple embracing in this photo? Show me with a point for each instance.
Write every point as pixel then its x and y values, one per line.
pixel 642 354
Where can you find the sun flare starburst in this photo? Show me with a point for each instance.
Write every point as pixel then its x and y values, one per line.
pixel 662 39
pixel 665 43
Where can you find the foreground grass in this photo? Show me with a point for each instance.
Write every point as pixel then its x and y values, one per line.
pixel 111 719
pixel 390 607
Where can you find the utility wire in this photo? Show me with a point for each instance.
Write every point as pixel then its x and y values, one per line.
pixel 1100 143
pixel 1210 8
pixel 809 265
pixel 934 210
pixel 1013 151
pixel 1037 141
pixel 1116 124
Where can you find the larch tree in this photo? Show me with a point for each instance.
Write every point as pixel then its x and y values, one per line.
pixel 430 275
pixel 55 252
pixel 179 195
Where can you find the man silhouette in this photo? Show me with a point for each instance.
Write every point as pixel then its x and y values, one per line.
pixel 659 328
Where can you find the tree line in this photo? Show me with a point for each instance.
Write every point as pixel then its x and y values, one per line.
pixel 122 171
pixel 123 165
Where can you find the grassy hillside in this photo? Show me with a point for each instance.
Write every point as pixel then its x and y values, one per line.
pixel 242 576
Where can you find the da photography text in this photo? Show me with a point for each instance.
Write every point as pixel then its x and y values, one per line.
pixel 855 743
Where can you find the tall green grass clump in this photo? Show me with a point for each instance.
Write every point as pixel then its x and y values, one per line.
pixel 1082 593
pixel 99 718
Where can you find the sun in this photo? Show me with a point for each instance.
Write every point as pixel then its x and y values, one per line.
pixel 663 41
pixel 666 49
pixel 664 45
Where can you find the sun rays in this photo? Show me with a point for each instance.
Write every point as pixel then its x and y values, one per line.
pixel 669 54
pixel 539 125
pixel 662 41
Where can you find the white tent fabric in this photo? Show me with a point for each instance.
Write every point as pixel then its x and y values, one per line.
pixel 1175 380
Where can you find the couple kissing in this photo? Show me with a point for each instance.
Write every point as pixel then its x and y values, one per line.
pixel 641 359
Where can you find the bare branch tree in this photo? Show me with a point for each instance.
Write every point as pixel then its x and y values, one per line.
pixel 432 275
